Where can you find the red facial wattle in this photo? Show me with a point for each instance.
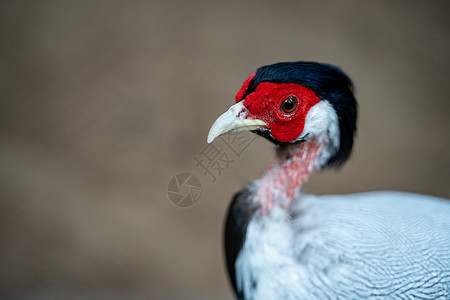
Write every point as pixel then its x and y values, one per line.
pixel 265 104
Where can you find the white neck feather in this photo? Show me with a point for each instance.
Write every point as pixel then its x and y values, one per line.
pixel 322 122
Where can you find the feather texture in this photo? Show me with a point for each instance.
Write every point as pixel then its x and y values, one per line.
pixel 374 245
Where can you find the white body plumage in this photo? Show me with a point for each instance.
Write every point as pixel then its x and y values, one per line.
pixel 378 245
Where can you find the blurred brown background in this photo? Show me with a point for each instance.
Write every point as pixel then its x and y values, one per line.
pixel 102 102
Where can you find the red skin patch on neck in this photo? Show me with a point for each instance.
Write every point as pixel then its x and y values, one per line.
pixel 264 104
pixel 291 168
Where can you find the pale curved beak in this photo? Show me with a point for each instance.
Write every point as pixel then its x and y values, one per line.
pixel 233 120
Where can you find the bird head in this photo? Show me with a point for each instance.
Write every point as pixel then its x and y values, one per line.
pixel 294 102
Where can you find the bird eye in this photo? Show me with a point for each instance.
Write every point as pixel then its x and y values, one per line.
pixel 289 104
